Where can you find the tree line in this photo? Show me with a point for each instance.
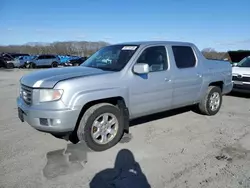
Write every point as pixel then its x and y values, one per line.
pixel 83 48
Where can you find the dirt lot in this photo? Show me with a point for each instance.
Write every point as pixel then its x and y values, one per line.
pixel 174 149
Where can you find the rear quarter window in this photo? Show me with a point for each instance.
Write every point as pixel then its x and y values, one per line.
pixel 184 56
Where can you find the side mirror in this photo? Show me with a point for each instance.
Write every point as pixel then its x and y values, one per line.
pixel 234 64
pixel 141 68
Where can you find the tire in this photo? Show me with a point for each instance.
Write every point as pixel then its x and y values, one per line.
pixel 32 65
pixel 85 129
pixel 204 105
pixel 10 66
pixel 54 64
pixel 26 65
pixel 2 63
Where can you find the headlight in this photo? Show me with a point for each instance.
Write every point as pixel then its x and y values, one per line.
pixel 47 95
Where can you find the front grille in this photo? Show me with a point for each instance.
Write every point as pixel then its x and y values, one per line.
pixel 44 121
pixel 245 86
pixel 26 94
pixel 243 78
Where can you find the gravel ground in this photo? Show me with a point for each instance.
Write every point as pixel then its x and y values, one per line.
pixel 175 149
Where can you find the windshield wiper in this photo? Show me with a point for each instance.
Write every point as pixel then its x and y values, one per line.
pixel 107 69
pixel 102 68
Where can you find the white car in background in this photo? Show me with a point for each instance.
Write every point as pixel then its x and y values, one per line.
pixel 241 76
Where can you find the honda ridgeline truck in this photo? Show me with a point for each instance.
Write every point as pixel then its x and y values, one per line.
pixel 95 101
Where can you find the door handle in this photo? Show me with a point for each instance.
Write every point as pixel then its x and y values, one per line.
pixel 167 79
pixel 199 75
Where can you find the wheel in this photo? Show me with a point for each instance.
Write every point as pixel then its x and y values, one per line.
pixel 76 64
pixel 101 126
pixel 54 64
pixel 211 103
pixel 26 65
pixel 10 66
pixel 32 65
pixel 2 63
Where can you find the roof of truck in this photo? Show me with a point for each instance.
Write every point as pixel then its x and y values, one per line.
pixel 156 42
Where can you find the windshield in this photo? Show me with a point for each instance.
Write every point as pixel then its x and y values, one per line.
pixel 244 62
pixel 112 58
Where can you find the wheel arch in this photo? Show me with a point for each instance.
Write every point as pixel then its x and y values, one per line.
pixel 118 101
pixel 219 84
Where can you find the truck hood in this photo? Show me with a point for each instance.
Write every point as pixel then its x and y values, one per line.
pixel 241 70
pixel 50 77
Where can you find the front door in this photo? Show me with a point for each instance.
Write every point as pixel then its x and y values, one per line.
pixel 187 79
pixel 152 92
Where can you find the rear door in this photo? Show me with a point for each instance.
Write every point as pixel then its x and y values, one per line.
pixel 52 59
pixel 187 79
pixel 152 92
pixel 41 60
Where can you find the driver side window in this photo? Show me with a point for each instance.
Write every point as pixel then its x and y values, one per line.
pixel 155 57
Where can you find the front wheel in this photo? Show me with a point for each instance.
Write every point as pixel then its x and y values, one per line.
pixel 211 102
pixel 10 66
pixel 32 65
pixel 101 126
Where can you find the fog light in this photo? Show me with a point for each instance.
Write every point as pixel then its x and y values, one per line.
pixel 57 121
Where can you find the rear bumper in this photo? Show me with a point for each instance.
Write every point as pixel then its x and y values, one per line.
pixel 57 122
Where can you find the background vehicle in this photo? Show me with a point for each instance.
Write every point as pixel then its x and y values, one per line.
pixel 43 61
pixel 71 60
pixel 236 56
pixel 77 61
pixel 6 63
pixel 95 101
pixel 241 76
pixel 22 61
pixel 12 59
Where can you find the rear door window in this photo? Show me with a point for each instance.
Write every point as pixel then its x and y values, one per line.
pixel 184 56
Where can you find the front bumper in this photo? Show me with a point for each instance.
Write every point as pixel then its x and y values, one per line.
pixel 243 87
pixel 56 121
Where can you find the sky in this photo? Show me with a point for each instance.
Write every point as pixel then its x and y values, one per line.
pixel 222 25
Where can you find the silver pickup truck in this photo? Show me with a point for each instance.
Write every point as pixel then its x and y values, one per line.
pixel 95 101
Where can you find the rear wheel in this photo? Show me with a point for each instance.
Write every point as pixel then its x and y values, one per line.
pixel 101 126
pixel 54 64
pixel 211 102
